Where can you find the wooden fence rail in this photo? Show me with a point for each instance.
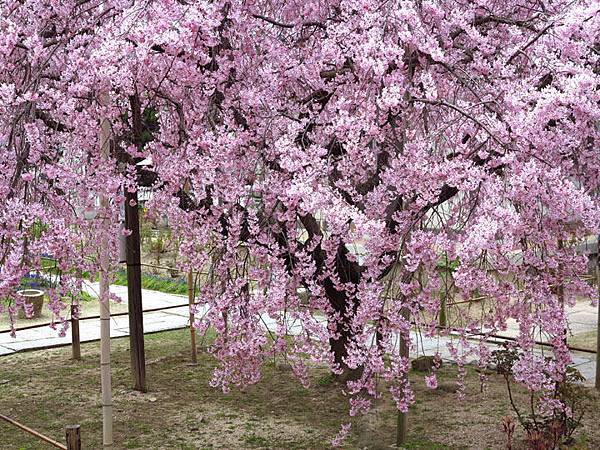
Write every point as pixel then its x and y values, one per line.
pixel 72 433
pixel 76 342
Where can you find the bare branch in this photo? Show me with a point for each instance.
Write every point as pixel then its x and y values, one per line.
pixel 531 42
pixel 464 113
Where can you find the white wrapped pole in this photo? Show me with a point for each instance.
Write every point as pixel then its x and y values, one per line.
pixel 105 374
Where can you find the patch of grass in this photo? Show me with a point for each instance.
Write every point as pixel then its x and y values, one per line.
pixel 255 440
pixel 132 443
pixel 182 411
pixel 585 340
pixel 582 442
pixel 155 283
pixel 326 380
pixel 85 297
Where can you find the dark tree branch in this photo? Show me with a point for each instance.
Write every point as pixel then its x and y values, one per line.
pixel 309 23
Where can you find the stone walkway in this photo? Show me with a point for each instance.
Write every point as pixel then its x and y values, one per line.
pixel 89 329
pixel 582 318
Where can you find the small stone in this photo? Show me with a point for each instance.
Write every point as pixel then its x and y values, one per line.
pixel 152 399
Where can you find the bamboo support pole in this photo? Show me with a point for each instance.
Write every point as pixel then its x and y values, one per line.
pixel 105 373
pixel 31 431
pixel 191 296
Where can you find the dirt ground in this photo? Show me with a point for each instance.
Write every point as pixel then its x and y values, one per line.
pixel 46 391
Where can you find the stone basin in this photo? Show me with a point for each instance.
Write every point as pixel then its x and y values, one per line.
pixel 34 297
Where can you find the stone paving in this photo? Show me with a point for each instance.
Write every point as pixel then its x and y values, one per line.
pixel 89 329
pixel 582 318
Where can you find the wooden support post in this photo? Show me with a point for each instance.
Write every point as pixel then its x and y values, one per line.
pixel 75 339
pixel 402 424
pixel 134 292
pixel 191 296
pixel 443 321
pixel 561 293
pixel 444 300
pixel 73 437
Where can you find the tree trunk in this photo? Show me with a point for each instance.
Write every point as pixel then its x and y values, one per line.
pixel 339 347
pixel 349 272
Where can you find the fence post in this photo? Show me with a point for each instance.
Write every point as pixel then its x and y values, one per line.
pixel 190 281
pixel 73 437
pixel 443 302
pixel 75 338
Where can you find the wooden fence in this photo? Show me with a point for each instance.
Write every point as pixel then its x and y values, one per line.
pixel 76 340
pixel 72 434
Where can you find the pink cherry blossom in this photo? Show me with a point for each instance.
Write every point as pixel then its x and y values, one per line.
pixel 431 381
pixel 336 166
